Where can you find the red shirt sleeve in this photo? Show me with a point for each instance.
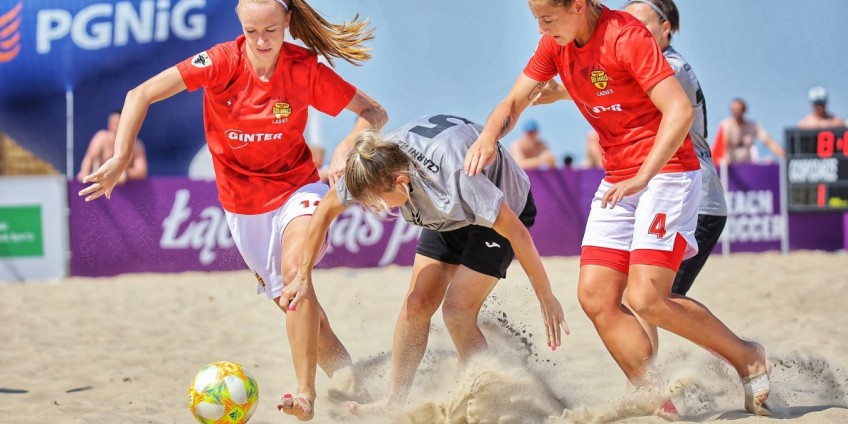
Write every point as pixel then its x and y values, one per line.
pixel 542 66
pixel 330 93
pixel 638 52
pixel 208 68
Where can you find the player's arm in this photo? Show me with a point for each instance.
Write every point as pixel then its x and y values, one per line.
pixel 371 115
pixel 551 92
pixel 166 84
pixel 501 121
pixel 510 227
pixel 328 209
pixel 677 117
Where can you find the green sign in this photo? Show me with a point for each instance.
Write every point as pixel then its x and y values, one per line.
pixel 20 231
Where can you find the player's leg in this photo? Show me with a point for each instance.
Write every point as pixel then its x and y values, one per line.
pixel 604 264
pixel 486 255
pixel 465 296
pixel 707 235
pixel 311 338
pixel 664 230
pixel 430 279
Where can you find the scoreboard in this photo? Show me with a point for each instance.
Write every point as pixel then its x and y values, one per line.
pixel 817 169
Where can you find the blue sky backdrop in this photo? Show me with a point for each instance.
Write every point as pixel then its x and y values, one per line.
pixel 461 57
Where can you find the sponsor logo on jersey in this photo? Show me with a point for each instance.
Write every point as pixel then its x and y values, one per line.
pixel 282 110
pixel 491 244
pixel 599 78
pixel 10 33
pixel 238 138
pixel 595 111
pixel 201 60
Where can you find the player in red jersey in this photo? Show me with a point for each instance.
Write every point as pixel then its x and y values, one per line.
pixel 643 217
pixel 256 92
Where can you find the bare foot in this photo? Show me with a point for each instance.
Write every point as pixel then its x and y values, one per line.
pixel 299 406
pixel 756 383
pixel 368 408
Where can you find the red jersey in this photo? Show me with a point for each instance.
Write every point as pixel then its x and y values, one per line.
pixel 254 128
pixel 608 78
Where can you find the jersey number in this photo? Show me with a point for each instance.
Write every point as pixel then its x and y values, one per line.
pixel 658 226
pixel 440 123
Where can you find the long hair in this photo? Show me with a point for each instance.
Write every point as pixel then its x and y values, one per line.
pixel 342 41
pixel 372 168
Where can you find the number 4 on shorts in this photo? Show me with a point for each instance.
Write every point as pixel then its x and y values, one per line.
pixel 658 226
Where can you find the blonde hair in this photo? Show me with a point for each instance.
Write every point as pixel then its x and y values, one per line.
pixel 342 41
pixel 372 168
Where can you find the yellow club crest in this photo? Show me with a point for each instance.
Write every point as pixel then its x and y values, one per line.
pixel 599 79
pixel 282 110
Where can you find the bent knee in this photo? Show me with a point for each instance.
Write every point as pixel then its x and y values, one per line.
pixel 420 306
pixel 645 300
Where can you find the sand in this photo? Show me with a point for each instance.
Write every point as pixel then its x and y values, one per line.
pixel 124 349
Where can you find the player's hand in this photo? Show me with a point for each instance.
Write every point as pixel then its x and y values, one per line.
pixel 103 180
pixel 480 155
pixel 551 92
pixel 337 165
pixel 554 320
pixel 294 291
pixel 621 189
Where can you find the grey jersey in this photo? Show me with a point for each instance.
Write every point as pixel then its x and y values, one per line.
pixel 712 194
pixel 442 197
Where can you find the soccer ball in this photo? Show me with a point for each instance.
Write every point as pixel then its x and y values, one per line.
pixel 223 393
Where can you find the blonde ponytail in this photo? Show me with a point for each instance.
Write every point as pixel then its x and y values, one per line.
pixel 343 41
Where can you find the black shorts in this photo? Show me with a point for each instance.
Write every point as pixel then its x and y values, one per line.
pixel 706 234
pixel 481 249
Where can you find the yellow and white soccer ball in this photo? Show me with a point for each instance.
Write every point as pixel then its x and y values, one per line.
pixel 223 393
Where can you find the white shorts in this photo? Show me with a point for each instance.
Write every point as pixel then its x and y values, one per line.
pixel 649 219
pixel 259 237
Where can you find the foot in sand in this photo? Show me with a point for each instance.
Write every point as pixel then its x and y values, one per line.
pixel 299 406
pixel 756 384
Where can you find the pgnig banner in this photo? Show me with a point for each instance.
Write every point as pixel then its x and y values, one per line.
pixel 90 53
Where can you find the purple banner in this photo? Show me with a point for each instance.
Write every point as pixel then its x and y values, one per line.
pixel 754 223
pixel 177 224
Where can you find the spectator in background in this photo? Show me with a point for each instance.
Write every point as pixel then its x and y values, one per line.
pixel 102 147
pixel 568 161
pixel 530 151
pixel 820 117
pixel 736 135
pixel 594 155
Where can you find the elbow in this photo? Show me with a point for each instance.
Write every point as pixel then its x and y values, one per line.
pixel 382 117
pixel 687 114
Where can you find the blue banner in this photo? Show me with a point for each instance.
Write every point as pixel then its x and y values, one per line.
pixel 99 50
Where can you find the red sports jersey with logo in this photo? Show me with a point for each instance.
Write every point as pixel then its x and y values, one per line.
pixel 608 79
pixel 254 128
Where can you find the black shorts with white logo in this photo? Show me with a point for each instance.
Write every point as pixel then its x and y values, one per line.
pixel 481 249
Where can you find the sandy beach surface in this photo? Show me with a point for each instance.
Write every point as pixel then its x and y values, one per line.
pixel 124 349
